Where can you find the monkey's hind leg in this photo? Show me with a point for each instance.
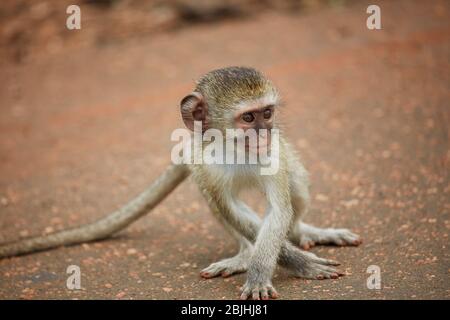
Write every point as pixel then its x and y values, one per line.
pixel 307 236
pixel 230 266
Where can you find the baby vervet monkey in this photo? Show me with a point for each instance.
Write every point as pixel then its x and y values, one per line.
pixel 232 98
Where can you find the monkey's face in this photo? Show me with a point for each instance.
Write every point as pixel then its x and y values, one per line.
pixel 234 98
pixel 258 118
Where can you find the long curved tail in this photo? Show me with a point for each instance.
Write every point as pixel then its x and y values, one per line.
pixel 108 225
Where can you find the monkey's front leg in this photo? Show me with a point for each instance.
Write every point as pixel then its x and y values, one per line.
pixel 269 241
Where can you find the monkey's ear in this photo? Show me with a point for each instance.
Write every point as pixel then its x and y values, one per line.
pixel 194 108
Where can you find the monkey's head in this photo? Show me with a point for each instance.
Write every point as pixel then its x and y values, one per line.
pixel 232 98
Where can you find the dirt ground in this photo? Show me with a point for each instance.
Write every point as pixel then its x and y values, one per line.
pixel 83 130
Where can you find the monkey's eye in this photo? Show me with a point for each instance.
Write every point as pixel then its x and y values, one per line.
pixel 248 117
pixel 267 114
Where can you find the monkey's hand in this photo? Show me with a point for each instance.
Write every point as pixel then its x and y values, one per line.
pixel 258 285
pixel 307 265
pixel 258 290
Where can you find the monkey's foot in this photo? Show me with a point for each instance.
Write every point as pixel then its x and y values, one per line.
pixel 311 236
pixel 258 291
pixel 227 267
pixel 318 271
pixel 309 266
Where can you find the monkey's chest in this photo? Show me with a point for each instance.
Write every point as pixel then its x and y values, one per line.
pixel 233 178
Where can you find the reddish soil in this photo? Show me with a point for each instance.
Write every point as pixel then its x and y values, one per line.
pixel 83 130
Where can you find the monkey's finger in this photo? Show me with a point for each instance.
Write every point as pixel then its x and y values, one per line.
pixel 328 273
pixel 328 270
pixel 264 294
pixel 334 275
pixel 273 293
pixel 206 275
pixel 245 293
pixel 255 294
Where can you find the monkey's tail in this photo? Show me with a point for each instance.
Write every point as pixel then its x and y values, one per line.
pixel 108 225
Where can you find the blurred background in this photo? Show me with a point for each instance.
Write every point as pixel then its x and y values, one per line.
pixel 31 27
pixel 86 117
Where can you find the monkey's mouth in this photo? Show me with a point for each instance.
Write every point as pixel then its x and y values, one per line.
pixel 258 148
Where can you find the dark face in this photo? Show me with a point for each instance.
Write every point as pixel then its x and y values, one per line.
pixel 257 118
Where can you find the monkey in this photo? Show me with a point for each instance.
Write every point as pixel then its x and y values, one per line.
pixel 243 98
pixel 232 98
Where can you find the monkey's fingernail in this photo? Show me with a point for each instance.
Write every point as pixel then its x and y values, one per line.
pixel 334 276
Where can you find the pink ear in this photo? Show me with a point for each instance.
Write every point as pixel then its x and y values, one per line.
pixel 194 108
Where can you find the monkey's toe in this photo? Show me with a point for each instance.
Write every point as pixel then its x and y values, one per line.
pixel 207 275
pixel 322 274
pixel 307 244
pixel 318 268
pixel 343 237
pixel 330 236
pixel 225 268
